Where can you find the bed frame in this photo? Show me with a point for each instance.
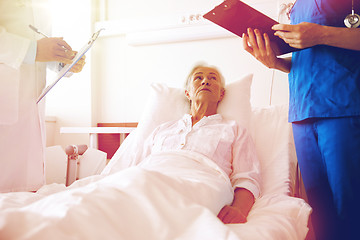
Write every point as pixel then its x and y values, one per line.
pixel 107 142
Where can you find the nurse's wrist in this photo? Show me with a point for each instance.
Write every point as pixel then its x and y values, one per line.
pixel 283 64
pixel 325 35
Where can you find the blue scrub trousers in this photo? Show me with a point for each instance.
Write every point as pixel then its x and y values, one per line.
pixel 328 152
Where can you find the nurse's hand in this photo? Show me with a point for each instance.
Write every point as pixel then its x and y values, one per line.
pixel 258 45
pixel 302 35
pixel 54 49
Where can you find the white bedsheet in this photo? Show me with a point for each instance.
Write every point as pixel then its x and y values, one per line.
pixel 132 204
pixel 138 203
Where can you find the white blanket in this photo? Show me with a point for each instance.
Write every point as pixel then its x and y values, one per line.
pixel 170 196
pixel 136 203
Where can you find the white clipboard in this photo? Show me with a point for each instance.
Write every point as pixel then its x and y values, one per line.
pixel 67 67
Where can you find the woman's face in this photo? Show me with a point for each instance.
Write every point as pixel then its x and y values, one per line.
pixel 205 85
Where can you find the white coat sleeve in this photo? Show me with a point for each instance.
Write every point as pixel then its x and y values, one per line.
pixel 13 48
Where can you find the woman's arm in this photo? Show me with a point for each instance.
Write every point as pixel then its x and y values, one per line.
pixel 258 45
pixel 238 211
pixel 300 36
pixel 304 35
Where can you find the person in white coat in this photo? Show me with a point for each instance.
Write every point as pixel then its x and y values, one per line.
pixel 23 57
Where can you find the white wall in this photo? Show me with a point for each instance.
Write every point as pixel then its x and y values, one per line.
pixel 124 71
pixel 121 72
pixel 69 102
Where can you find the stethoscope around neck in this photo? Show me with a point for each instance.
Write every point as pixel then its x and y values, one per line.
pixel 352 20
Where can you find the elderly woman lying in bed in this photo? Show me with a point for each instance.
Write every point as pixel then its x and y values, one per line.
pixel 205 132
pixel 190 172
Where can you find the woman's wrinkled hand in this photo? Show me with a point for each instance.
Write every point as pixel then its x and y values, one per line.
pixel 229 214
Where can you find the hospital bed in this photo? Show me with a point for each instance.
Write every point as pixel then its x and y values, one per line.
pixel 88 208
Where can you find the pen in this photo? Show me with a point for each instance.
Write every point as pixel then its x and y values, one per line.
pixel 37 30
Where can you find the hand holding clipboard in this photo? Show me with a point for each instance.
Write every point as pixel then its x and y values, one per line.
pixel 237 17
pixel 67 67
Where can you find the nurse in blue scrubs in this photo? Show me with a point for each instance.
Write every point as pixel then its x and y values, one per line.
pixel 324 106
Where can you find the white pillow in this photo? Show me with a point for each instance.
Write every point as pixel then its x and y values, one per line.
pixel 166 104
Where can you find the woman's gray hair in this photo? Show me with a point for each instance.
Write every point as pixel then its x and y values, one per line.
pixel 199 65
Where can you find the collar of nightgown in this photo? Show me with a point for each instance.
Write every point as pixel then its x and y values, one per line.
pixel 186 120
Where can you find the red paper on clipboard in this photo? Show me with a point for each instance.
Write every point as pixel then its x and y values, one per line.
pixel 236 16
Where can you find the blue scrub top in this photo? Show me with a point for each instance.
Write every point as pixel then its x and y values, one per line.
pixel 324 81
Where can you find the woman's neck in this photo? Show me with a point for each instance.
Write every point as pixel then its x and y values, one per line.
pixel 200 110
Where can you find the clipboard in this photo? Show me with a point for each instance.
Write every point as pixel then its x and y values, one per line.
pixel 236 16
pixel 67 67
